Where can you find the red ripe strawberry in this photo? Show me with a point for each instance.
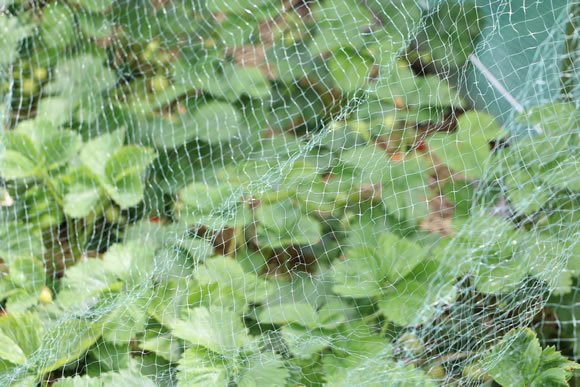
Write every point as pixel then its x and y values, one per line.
pixel 421 147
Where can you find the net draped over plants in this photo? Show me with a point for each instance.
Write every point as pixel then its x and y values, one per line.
pixel 289 192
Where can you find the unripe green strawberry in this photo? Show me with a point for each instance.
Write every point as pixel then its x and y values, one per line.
pixel 159 83
pixel 40 74
pixel 152 46
pixel 150 50
pixel 29 87
pixel 163 57
pixel 426 58
pixel 113 215
pixel 45 296
pixel 437 372
pixel 209 43
pixel 389 121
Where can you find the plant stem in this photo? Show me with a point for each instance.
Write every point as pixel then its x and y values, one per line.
pixel 373 316
pixel 52 189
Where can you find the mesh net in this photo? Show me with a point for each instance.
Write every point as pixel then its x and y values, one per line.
pixel 296 192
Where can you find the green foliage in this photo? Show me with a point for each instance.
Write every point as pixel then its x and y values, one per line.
pixel 239 193
pixel 552 167
pixel 468 150
pixel 524 363
pixel 450 34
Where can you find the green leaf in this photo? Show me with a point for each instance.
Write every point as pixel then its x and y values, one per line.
pixel 401 254
pixel 10 351
pixel 497 276
pixel 60 147
pixel 348 355
pixel 76 89
pixel 228 285
pixel 248 81
pixel 120 170
pixel 349 70
pixel 57 27
pixel 304 343
pixel 18 156
pixel 330 316
pixel 296 313
pixel 20 240
pixel 127 192
pixel 367 270
pixel 172 237
pixel 400 84
pixel 282 224
pixel 536 166
pixel 56 110
pixel 66 342
pixel 42 208
pixel 468 150
pixel 132 262
pixel 216 121
pixel 361 274
pixel 164 345
pixel 212 122
pixel 12 32
pixel 79 381
pixel 290 62
pixel 555 246
pixel 263 369
pixel 216 329
pixel 95 5
pixel 124 174
pixel 242 6
pixel 461 194
pixel 374 371
pixel 14 165
pixel 82 282
pixel 128 320
pixel 303 288
pixel 96 152
pixel 561 173
pixel 81 79
pixel 492 251
pixel 94 25
pixel 24 329
pixel 84 193
pixel 404 183
pixel 553 119
pixel 128 378
pixel 198 367
pixel 518 360
pixel 36 144
pixel 450 33
pixel 417 297
pixel 28 273
pixel 340 23
pixel 20 301
pixel 110 357
pixel 128 160
pixel 215 207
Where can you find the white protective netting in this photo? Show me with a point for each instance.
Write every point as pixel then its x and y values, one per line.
pixel 297 192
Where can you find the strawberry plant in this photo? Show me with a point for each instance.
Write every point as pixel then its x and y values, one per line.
pixel 275 193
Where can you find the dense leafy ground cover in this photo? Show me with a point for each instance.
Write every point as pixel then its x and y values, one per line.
pixel 207 196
